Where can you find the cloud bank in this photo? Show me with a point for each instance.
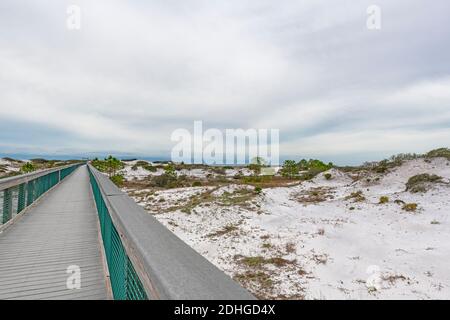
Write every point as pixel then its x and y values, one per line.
pixel 136 71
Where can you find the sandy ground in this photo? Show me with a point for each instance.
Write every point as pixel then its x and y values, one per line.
pixel 312 241
pixel 7 167
pixel 140 173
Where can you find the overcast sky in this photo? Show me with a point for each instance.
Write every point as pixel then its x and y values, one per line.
pixel 137 70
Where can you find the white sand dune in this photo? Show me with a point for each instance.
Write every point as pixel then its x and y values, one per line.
pixel 333 248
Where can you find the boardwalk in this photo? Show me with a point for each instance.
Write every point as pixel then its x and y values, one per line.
pixel 57 232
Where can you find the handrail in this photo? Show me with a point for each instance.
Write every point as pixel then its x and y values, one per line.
pixel 158 264
pixel 19 192
pixel 22 178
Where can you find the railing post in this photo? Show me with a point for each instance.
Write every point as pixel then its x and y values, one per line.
pixel 30 192
pixel 22 197
pixel 7 205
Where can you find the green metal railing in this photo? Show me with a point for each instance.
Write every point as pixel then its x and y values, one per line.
pixel 17 193
pixel 125 283
pixel 66 171
pixel 146 260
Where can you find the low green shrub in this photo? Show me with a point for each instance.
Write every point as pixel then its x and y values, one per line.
pixel 384 199
pixel 110 165
pixel 27 167
pixel 144 165
pixel 289 169
pixel 218 170
pixel 310 174
pixel 149 167
pixel 118 180
pixel 441 152
pixel 357 196
pixel 167 181
pixel 410 207
pixel 421 182
pixel 399 158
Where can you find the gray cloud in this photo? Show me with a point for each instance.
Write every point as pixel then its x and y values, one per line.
pixel 138 70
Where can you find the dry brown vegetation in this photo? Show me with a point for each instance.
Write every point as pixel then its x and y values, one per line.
pixel 258 282
pixel 261 280
pixel 410 207
pixel 268 181
pixel 259 261
pixel 315 195
pixel 290 247
pixel 392 278
pixel 357 196
pixel 320 258
pixel 225 230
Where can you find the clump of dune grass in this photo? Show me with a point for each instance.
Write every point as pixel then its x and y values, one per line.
pixel 422 182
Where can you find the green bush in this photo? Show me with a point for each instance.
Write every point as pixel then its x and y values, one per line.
pixel 327 176
pixel 258 190
pixel 313 168
pixel 110 165
pixel 144 165
pixel 441 152
pixel 399 158
pixel 381 167
pixel 256 165
pixel 420 182
pixel 310 174
pixel 165 181
pixel 384 199
pixel 289 169
pixel 27 167
pixel 255 168
pixel 169 170
pixel 149 167
pixel 357 196
pixel 319 165
pixel 218 170
pixel 303 164
pixel 196 184
pixel 118 180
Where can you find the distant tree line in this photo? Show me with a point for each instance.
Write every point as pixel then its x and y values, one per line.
pixel 304 169
pixel 111 166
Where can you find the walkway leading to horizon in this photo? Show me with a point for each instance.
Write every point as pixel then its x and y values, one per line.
pixel 59 231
